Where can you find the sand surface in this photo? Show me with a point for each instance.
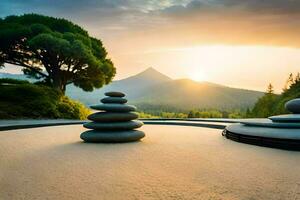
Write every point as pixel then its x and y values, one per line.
pixel 172 162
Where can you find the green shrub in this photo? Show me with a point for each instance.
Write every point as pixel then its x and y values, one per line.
pixel 70 109
pixel 36 101
pixel 12 81
pixel 146 115
pixel 205 114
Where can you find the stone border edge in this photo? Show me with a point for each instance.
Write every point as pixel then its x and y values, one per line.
pixel 180 122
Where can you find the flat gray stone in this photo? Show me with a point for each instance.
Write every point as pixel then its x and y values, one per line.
pixel 114 107
pixel 293 106
pixel 269 123
pixel 267 132
pixel 119 100
pixel 286 118
pixel 114 125
pixel 112 117
pixel 112 137
pixel 114 94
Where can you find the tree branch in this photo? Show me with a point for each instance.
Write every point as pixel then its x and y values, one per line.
pixel 27 66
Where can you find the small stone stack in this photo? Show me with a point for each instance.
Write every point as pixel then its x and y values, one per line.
pixel 115 123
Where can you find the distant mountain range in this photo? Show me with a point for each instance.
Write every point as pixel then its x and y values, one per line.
pixel 154 89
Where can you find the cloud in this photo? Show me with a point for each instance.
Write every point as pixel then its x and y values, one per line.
pixel 175 22
pixel 263 22
pixel 263 6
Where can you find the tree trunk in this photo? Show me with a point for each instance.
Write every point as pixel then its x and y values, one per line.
pixel 58 83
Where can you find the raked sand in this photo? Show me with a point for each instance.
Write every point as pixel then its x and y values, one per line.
pixel 171 162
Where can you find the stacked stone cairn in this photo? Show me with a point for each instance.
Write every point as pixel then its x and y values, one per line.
pixel 115 123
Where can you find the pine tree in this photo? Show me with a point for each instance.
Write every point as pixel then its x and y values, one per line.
pixel 270 89
pixel 248 112
pixel 297 78
pixel 264 107
pixel 288 82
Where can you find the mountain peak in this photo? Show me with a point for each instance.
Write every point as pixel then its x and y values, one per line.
pixel 153 74
pixel 151 69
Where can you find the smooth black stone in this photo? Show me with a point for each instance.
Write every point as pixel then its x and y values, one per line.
pixel 265 132
pixel 293 106
pixel 114 94
pixel 112 117
pixel 290 118
pixel 271 124
pixel 119 100
pixel 263 141
pixel 114 107
pixel 114 125
pixel 112 137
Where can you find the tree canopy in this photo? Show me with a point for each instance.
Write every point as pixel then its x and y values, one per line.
pixel 55 51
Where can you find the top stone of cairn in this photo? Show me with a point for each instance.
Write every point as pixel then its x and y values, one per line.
pixel 293 106
pixel 114 94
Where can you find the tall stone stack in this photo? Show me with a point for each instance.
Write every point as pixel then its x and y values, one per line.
pixel 115 123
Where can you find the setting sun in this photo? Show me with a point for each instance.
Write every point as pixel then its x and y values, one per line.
pixel 231 65
pixel 196 75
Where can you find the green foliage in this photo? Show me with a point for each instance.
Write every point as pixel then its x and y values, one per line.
pixel 205 114
pixel 4 81
pixel 236 115
pixel 264 106
pixel 194 114
pixel 63 49
pixel 70 109
pixel 33 101
pixel 173 115
pixel 272 104
pixel 146 115
pixel 162 115
pixel 215 114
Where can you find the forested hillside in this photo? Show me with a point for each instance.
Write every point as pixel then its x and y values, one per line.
pixel 272 104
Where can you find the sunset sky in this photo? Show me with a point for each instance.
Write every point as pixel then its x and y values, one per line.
pixel 239 43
